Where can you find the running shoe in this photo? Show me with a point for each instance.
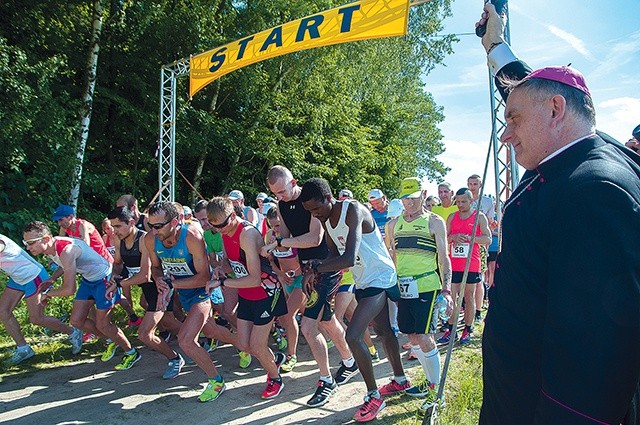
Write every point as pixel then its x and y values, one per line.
pixel 128 360
pixel 76 341
pixel 466 337
pixel 166 335
pixel 19 355
pixel 478 319
pixel 412 355
pixel 370 409
pixel 345 373
pixel 279 359
pixel 134 323
pixel 245 359
pixel 393 387
pixel 108 354
pixel 421 389
pixel 88 337
pixel 444 339
pixel 210 345
pixel 274 386
pixel 321 396
pixel 375 357
pixel 288 364
pixel 281 342
pixel 173 368
pixel 213 391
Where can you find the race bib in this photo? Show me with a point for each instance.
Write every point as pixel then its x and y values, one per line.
pixel 133 270
pixel 177 269
pixel 460 250
pixel 408 287
pixel 111 250
pixel 239 270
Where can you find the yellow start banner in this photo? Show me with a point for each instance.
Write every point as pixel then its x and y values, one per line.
pixel 355 21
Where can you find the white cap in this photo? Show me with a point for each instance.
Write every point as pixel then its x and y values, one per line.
pixel 235 195
pixel 187 210
pixel 266 207
pixel 345 193
pixel 375 194
pixel 395 208
pixel 261 196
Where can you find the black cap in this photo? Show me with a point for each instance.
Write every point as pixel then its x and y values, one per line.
pixel 636 132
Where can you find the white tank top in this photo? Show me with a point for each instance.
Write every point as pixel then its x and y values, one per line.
pixel 17 263
pixel 91 265
pixel 373 267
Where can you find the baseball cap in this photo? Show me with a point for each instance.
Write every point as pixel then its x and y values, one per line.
pixel 266 207
pixel 411 187
pixel 636 133
pixel 187 210
pixel 345 193
pixel 562 74
pixel 395 208
pixel 234 195
pixel 375 194
pixel 261 196
pixel 63 211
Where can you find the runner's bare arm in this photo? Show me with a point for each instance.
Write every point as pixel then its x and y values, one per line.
pixel 68 258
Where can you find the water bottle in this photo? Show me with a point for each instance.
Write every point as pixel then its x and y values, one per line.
pixel 440 309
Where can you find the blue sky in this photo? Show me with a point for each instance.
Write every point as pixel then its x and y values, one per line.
pixel 600 40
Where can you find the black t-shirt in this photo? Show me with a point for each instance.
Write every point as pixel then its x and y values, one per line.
pixel 298 220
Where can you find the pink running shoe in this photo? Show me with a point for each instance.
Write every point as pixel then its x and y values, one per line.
pixel 369 410
pixel 393 388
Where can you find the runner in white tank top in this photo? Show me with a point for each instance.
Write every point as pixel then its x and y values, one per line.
pixel 355 243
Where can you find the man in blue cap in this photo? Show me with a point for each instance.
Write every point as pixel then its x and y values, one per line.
pixel 567 273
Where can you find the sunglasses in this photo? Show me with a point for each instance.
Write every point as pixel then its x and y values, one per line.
pixel 30 242
pixel 159 226
pixel 223 224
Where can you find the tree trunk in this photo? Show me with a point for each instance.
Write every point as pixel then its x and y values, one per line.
pixel 87 101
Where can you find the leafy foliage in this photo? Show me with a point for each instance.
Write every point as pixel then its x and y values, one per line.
pixel 356 114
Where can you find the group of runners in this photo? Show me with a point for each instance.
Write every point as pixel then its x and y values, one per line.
pixel 297 258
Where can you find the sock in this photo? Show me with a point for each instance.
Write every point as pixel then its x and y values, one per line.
pixel 328 379
pixel 349 362
pixel 430 364
pixel 401 379
pixel 109 341
pixel 372 350
pixel 478 313
pixel 217 378
pixel 175 358
pixel 374 394
pixel 130 352
pixel 23 348
pixel 278 379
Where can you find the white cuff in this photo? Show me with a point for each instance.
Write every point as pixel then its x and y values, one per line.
pixel 499 57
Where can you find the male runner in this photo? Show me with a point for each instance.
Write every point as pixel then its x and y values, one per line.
pixel 79 228
pixel 355 242
pixel 249 213
pixel 131 202
pixel 447 205
pixel 179 250
pixel 133 255
pixel 75 256
pixel 459 230
pixel 300 230
pixel 419 247
pixel 25 277
pixel 260 297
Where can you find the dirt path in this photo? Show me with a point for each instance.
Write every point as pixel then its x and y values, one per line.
pixel 92 392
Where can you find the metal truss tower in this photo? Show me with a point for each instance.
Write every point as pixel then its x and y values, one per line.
pixel 507 173
pixel 167 142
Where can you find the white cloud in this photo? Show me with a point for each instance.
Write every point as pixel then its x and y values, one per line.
pixel 618 116
pixel 572 40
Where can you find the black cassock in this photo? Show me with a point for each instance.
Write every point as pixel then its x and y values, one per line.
pixel 561 343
